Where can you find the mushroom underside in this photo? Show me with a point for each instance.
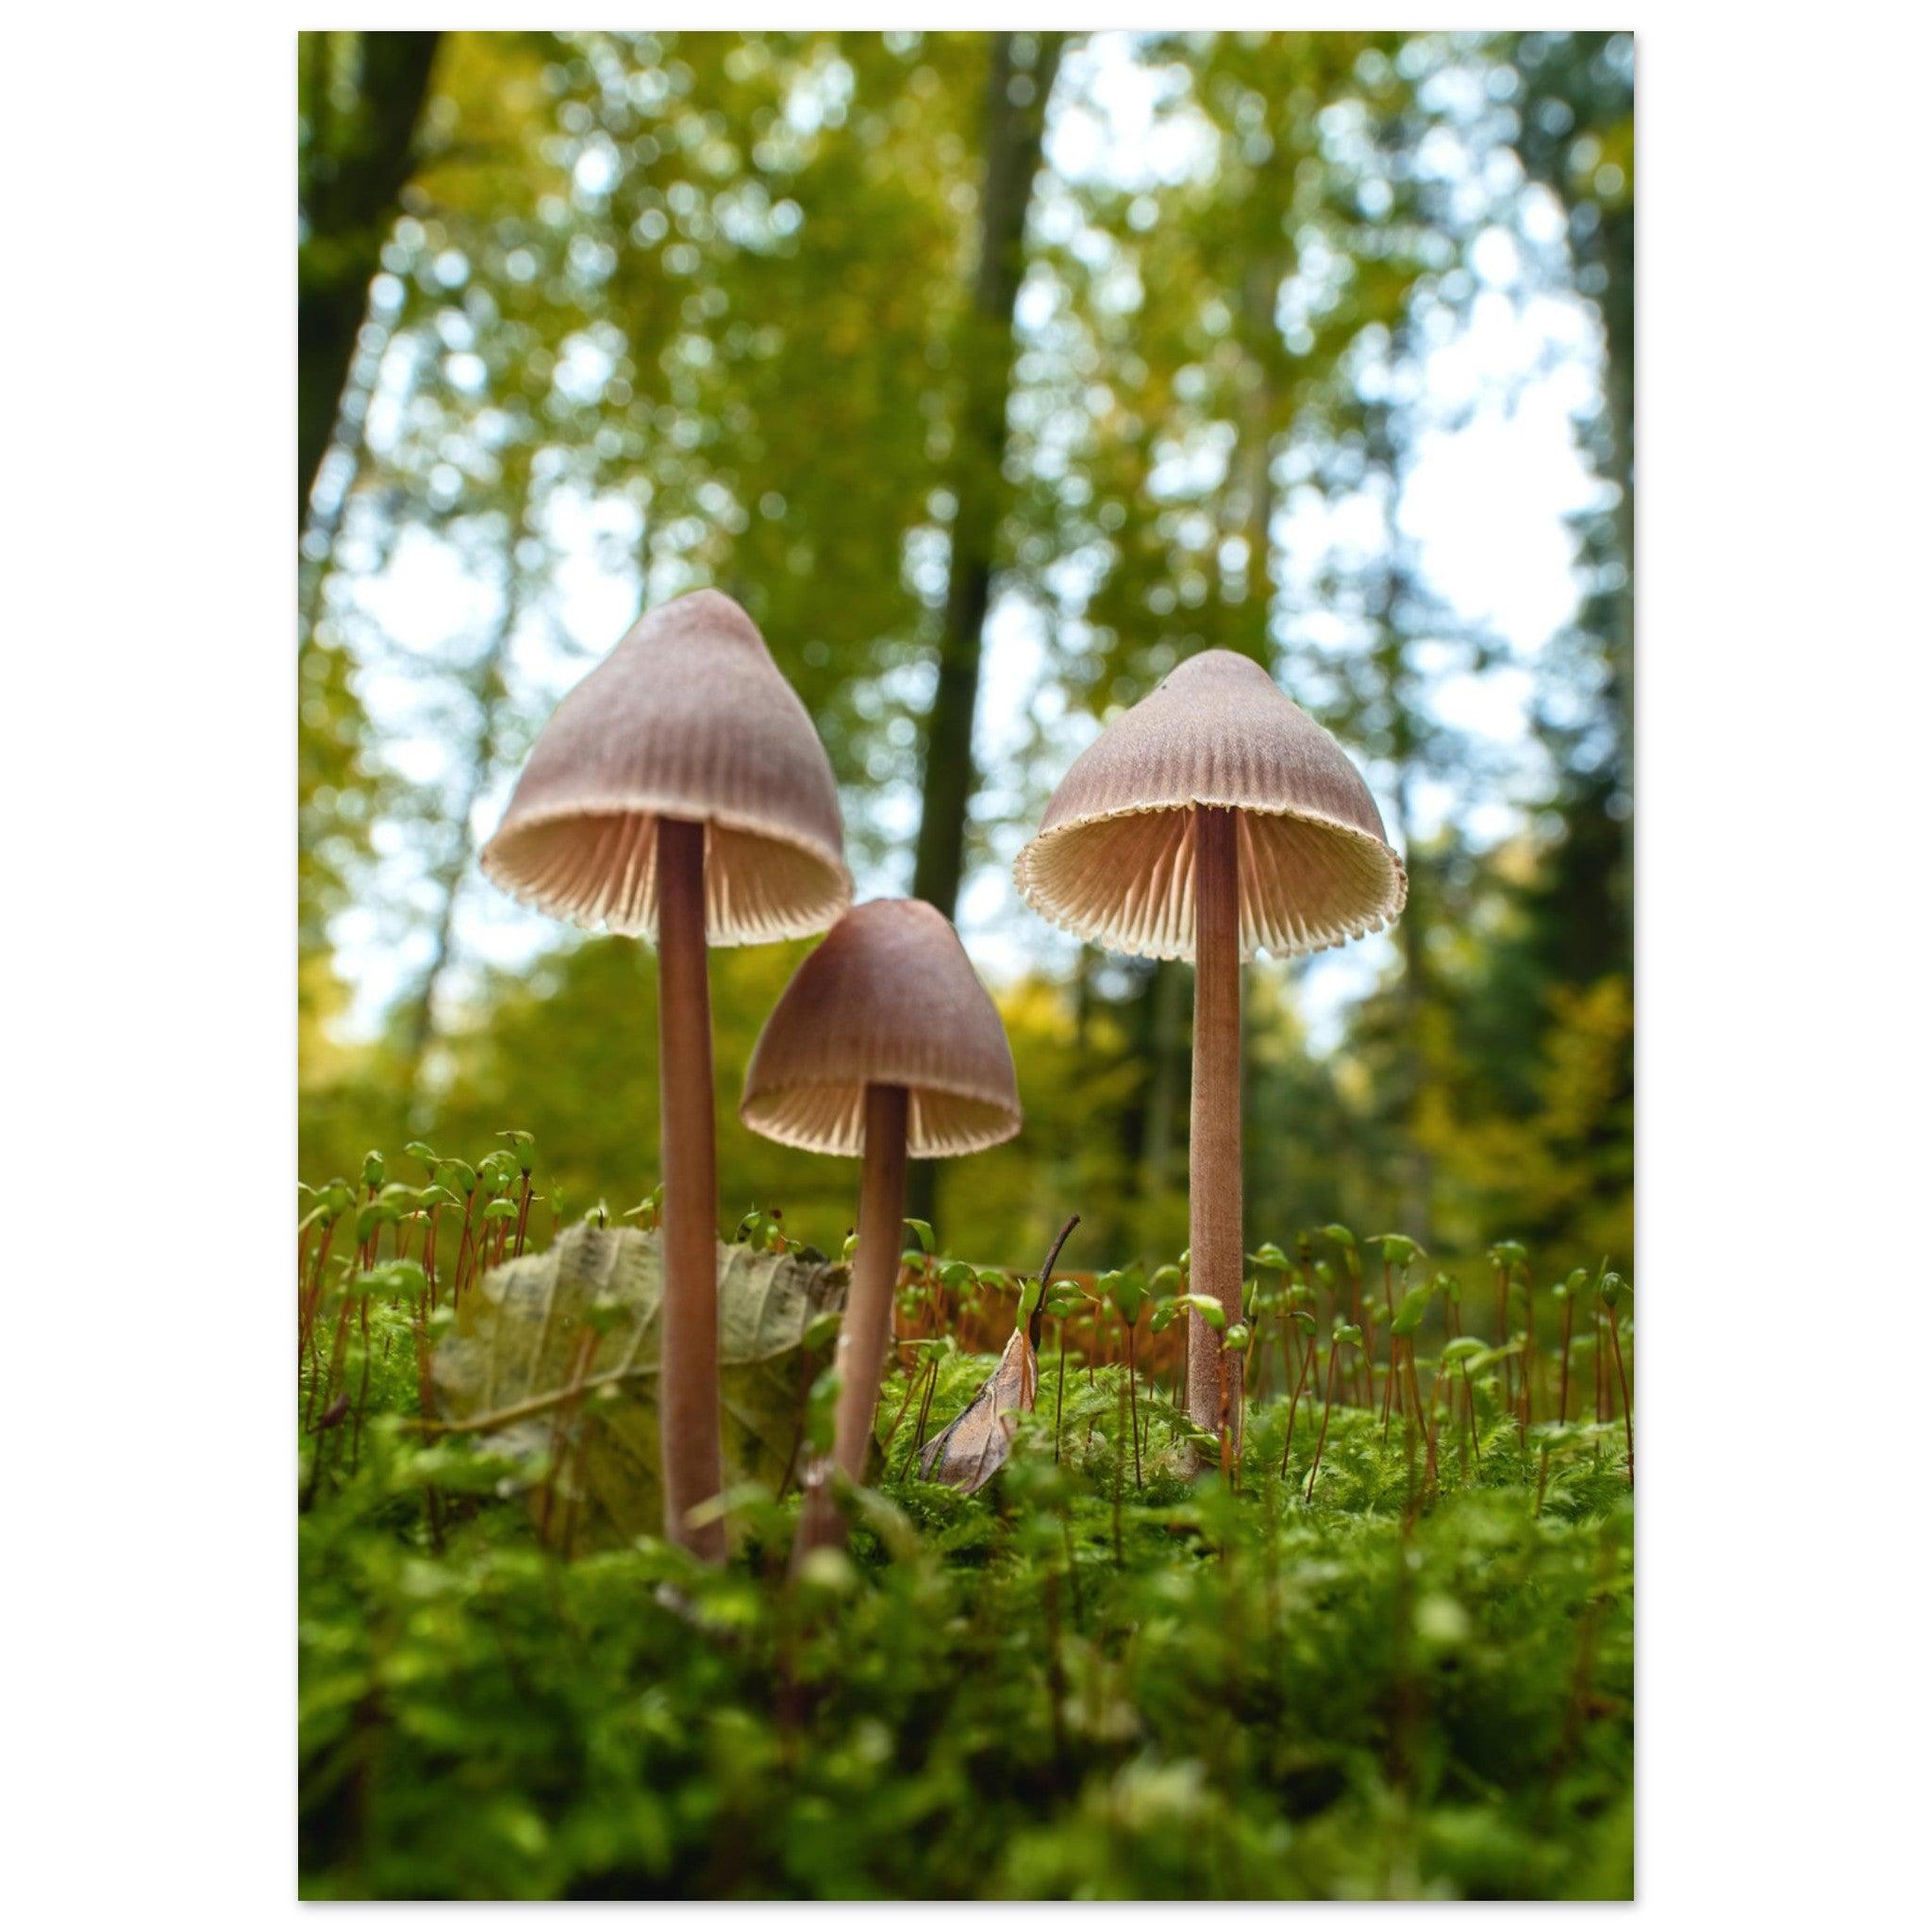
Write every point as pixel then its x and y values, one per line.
pixel 600 869
pixel 1126 882
pixel 830 1119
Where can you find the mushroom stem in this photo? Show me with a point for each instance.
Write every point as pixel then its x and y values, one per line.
pixel 1215 1135
pixel 867 1327
pixel 688 1405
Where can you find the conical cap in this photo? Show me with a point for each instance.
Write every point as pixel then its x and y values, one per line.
pixel 687 718
pixel 1113 860
pixel 890 999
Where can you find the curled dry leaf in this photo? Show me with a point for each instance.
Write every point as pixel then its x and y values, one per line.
pixel 557 1353
pixel 968 1453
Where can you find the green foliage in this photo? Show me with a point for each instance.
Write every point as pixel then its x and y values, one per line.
pixel 586 1317
pixel 1101 1677
pixel 711 293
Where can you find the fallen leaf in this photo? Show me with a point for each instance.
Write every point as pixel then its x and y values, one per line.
pixel 568 1341
pixel 969 1451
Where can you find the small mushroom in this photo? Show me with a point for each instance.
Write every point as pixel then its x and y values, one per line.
pixel 681 791
pixel 885 1046
pixel 1214 821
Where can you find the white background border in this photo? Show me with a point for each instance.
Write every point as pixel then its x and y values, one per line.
pixel 146 620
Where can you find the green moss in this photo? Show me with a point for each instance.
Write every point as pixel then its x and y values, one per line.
pixel 1396 1691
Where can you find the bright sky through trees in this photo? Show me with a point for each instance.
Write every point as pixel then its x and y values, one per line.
pixel 1495 473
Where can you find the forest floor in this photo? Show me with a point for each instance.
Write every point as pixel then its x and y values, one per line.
pixel 1096 1678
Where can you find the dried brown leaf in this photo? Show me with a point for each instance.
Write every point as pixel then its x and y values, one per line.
pixel 969 1451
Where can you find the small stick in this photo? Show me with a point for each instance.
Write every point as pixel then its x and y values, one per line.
pixel 1053 1255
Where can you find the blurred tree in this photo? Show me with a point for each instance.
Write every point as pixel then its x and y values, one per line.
pixel 1576 136
pixel 1019 87
pixel 853 327
pixel 1020 77
pixel 360 98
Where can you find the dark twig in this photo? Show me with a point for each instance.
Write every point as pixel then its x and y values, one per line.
pixel 1053 1255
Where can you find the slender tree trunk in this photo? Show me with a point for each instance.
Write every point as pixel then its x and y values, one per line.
pixel 353 170
pixel 1214 1138
pixel 688 1359
pixel 1605 244
pixel 1014 128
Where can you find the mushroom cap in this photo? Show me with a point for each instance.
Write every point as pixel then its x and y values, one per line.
pixel 889 999
pixel 1113 861
pixel 687 718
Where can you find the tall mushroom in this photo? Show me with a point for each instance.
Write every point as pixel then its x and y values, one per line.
pixel 681 791
pixel 1214 820
pixel 884 1045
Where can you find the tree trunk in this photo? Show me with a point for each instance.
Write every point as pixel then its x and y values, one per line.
pixel 353 172
pixel 1573 74
pixel 1013 132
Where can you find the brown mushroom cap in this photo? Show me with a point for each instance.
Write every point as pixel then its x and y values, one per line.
pixel 890 999
pixel 1113 861
pixel 687 718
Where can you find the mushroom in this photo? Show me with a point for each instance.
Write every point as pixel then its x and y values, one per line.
pixel 884 1045
pixel 680 791
pixel 1214 820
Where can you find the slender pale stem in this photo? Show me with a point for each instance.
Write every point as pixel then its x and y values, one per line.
pixel 1528 1353
pixel 1563 1387
pixel 688 1408
pixel 1629 1439
pixel 1294 1403
pixel 1415 1404
pixel 867 1328
pixel 1059 1387
pixel 1322 1435
pixel 1214 1135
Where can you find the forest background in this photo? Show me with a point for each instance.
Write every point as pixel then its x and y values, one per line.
pixel 993 374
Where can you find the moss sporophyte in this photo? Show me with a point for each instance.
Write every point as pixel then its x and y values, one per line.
pixel 1019 1643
